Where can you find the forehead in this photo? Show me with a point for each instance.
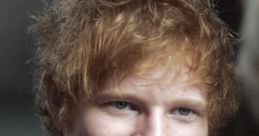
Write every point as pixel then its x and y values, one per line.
pixel 155 92
pixel 161 74
pixel 158 80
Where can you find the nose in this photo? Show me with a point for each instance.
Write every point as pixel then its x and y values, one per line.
pixel 153 124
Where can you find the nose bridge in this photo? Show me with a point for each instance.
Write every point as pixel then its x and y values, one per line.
pixel 154 123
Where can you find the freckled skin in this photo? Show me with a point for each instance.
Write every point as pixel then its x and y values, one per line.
pixel 157 110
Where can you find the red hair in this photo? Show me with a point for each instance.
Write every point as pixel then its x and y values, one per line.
pixel 84 43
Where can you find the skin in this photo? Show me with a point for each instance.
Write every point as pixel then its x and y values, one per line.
pixel 146 107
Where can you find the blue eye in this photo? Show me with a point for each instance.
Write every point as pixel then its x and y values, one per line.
pixel 184 114
pixel 184 111
pixel 120 105
pixel 120 108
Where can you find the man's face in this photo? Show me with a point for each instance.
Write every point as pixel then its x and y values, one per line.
pixel 140 106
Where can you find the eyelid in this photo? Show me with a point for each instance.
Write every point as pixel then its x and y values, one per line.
pixel 179 108
pixel 175 114
pixel 200 108
pixel 111 98
pixel 110 108
pixel 112 103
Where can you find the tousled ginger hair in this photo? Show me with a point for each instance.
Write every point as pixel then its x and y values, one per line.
pixel 81 44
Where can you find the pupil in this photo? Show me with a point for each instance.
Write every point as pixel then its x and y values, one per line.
pixel 121 105
pixel 184 111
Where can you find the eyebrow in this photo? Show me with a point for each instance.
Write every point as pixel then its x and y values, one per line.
pixel 191 102
pixel 117 96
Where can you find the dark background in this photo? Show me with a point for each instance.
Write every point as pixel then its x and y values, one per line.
pixel 16 106
pixel 17 115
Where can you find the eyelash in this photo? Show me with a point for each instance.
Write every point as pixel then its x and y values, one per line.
pixel 183 111
pixel 126 104
pixel 182 117
pixel 124 108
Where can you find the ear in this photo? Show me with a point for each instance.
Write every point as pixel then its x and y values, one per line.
pixel 55 100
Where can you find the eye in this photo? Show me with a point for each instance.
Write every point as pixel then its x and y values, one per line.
pixel 184 114
pixel 184 111
pixel 120 106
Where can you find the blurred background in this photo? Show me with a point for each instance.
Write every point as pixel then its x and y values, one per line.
pixel 16 103
pixel 17 115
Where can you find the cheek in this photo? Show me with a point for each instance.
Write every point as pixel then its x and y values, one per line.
pixel 97 123
pixel 195 129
